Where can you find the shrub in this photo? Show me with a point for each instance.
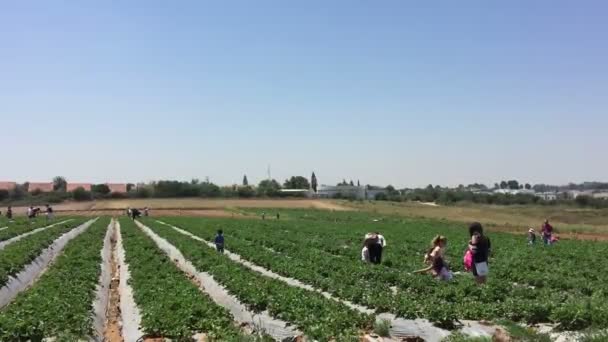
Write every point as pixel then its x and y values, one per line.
pixel 102 189
pixel 80 194
pixel 118 195
pixel 4 194
pixel 245 191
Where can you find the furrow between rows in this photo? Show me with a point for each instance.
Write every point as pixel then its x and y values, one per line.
pixel 400 327
pixel 276 328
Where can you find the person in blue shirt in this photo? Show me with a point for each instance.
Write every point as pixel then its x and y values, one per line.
pixel 219 241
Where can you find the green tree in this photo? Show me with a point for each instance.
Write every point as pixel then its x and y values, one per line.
pixel 528 186
pixel 130 186
pixel 268 188
pixel 351 183
pixel 59 184
pixel 4 194
pixel 313 181
pixel 245 181
pixel 143 192
pixel 80 194
pixel 391 189
pixel 100 189
pixel 503 185
pixel 513 184
pixel 209 189
pixel 245 191
pixel 296 182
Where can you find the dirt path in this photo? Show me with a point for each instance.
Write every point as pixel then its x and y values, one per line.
pixel 112 332
pixel 326 205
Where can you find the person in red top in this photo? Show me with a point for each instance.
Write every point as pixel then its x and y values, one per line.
pixel 547 231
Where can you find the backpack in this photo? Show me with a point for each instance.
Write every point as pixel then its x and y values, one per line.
pixel 468 260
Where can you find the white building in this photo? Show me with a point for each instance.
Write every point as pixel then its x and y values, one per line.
pixel 601 195
pixel 514 191
pixel 348 191
pixel 297 192
pixel 547 196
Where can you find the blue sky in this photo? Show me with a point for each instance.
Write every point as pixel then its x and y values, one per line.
pixel 398 92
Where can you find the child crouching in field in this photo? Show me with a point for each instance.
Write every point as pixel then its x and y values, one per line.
pixel 435 258
pixel 531 236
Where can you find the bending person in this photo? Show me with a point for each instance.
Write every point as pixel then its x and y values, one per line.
pixel 435 258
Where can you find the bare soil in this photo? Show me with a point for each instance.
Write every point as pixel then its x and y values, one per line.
pixel 113 331
pixel 518 218
pixel 191 203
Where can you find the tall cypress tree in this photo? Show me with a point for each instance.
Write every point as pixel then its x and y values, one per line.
pixel 313 182
pixel 245 181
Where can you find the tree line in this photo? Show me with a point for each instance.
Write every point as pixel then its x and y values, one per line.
pixel 160 189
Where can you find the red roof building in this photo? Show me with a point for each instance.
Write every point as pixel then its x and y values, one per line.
pixel 117 187
pixel 7 185
pixel 73 186
pixel 41 186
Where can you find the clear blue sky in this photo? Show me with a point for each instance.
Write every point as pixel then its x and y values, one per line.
pixel 400 92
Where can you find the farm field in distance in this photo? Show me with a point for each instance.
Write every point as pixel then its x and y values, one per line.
pixel 181 288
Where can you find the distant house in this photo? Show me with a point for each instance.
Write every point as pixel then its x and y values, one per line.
pixel 73 186
pixel 514 191
pixel 601 195
pixel 573 194
pixel 349 191
pixel 8 186
pixel 117 187
pixel 40 186
pixel 547 196
pixel 296 192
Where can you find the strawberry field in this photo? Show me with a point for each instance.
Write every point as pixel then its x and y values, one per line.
pixel 119 280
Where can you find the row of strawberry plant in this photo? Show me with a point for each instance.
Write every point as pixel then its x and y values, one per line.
pixel 171 305
pixel 343 277
pixel 420 296
pixel 21 226
pixel 59 303
pixel 14 257
pixel 317 316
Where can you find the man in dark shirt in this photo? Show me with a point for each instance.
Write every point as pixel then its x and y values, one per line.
pixel 135 213
pixel 219 241
pixel 49 213
pixel 480 246
pixel 9 213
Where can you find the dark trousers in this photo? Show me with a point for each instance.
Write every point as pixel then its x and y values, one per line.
pixel 375 253
pixel 219 247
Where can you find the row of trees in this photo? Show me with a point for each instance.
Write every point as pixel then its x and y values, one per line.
pixel 512 185
pixel 196 188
